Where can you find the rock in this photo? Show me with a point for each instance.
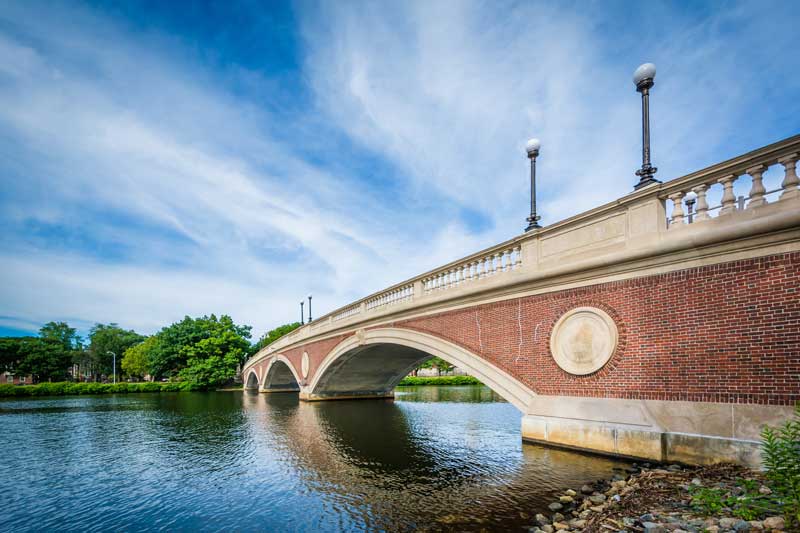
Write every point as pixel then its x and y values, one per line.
pixel 584 514
pixel 558 517
pixel 560 525
pixel 674 468
pixel 763 489
pixel 566 499
pixel 653 527
pixel 756 524
pixel 727 523
pixel 555 506
pixel 712 529
pixel 697 482
pixel 741 526
pixel 618 477
pixel 586 489
pixel 597 498
pixel 570 492
pixel 628 521
pixel 598 508
pixel 577 524
pixel 647 518
pixel 547 528
pixel 774 522
pixel 562 531
pixel 541 519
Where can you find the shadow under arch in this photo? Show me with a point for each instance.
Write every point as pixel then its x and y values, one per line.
pixel 251 383
pixel 372 363
pixel 280 376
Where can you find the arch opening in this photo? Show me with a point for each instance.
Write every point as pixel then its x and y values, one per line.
pixel 373 363
pixel 252 381
pixel 280 378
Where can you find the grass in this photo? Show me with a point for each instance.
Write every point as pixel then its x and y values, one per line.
pixel 65 388
pixel 440 380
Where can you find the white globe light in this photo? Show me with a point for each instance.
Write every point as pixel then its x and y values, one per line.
pixel 648 70
pixel 691 196
pixel 533 146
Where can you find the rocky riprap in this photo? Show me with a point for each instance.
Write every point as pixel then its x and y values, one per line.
pixel 649 499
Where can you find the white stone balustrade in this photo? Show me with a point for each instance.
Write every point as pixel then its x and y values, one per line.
pixel 726 179
pixel 391 297
pixel 471 270
pixel 347 312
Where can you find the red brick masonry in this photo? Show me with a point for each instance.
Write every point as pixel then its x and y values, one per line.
pixel 721 333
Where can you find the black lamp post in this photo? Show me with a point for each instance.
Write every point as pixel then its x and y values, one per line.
pixel 532 147
pixel 643 78
pixel 309 308
pixel 301 312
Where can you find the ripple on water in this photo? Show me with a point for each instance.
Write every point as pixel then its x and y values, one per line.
pixel 431 460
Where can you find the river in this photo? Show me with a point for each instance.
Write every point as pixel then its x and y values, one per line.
pixel 434 459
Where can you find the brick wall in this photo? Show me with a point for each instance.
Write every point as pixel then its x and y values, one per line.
pixel 721 333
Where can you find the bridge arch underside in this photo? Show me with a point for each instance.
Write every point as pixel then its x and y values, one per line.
pixel 251 383
pixel 280 378
pixel 371 367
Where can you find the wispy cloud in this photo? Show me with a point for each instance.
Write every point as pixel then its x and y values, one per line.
pixel 142 183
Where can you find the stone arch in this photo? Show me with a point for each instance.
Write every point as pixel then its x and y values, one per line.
pixel 372 362
pixel 280 376
pixel 251 383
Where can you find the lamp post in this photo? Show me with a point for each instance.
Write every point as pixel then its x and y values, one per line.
pixel 309 308
pixel 114 364
pixel 691 199
pixel 302 303
pixel 532 147
pixel 643 78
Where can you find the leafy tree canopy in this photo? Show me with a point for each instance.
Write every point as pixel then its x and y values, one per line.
pixel 135 361
pixel 105 339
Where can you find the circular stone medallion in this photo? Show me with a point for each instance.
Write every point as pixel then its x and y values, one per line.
pixel 304 365
pixel 583 340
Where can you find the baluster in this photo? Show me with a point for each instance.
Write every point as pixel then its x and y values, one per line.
pixel 757 190
pixel 469 271
pixel 508 262
pixel 702 203
pixel 790 180
pixel 728 198
pixel 476 269
pixel 482 268
pixel 498 265
pixel 441 281
pixel 677 209
pixel 463 273
pixel 518 256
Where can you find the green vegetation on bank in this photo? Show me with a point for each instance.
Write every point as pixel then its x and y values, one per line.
pixel 439 380
pixel 67 388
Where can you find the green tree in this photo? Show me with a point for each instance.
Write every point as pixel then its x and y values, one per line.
pixel 178 343
pixel 10 352
pixel 213 361
pixel 438 363
pixel 105 339
pixel 273 335
pixel 46 359
pixel 61 333
pixel 136 360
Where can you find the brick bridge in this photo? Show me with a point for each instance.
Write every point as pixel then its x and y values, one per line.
pixel 651 327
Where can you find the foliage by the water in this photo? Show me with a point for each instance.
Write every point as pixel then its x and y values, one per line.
pixel 781 455
pixel 205 351
pixel 66 388
pixel 439 380
pixel 438 363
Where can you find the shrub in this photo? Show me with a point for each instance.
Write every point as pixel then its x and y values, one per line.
pixel 441 380
pixel 781 453
pixel 64 388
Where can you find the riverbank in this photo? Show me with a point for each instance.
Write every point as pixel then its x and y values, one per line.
pixel 717 498
pixel 68 388
pixel 417 381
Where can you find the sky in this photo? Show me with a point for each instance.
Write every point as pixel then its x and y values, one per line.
pixel 162 159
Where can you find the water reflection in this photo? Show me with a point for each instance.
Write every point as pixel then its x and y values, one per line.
pixel 433 460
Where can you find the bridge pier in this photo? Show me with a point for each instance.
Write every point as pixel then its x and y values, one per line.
pixel 356 395
pixel 669 431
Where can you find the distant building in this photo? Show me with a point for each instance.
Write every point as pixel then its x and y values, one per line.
pixel 11 379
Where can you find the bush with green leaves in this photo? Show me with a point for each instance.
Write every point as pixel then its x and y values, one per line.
pixel 66 388
pixel 443 380
pixel 780 449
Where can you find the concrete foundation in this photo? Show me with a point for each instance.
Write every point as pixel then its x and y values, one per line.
pixel 684 432
pixel 361 395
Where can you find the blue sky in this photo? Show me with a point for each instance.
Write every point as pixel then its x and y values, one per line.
pixel 162 159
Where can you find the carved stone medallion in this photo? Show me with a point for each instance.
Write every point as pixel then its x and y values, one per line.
pixel 304 365
pixel 583 340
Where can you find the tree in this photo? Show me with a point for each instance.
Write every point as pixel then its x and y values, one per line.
pixel 213 361
pixel 10 354
pixel 107 338
pixel 61 333
pixel 273 335
pixel 438 363
pixel 46 359
pixel 180 342
pixel 136 360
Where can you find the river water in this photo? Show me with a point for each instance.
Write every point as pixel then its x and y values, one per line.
pixel 435 459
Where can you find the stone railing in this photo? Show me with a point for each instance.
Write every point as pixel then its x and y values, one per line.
pixel 642 224
pixel 496 262
pixel 690 196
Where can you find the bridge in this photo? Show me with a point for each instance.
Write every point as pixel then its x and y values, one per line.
pixel 664 325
